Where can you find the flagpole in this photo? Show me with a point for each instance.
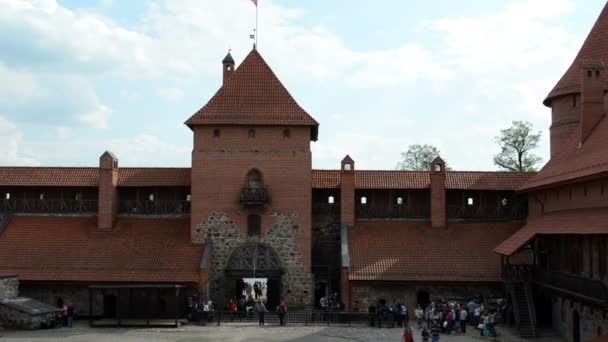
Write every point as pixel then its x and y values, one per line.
pixel 256 25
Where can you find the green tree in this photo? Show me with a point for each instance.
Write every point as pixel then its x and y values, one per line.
pixel 418 158
pixel 516 144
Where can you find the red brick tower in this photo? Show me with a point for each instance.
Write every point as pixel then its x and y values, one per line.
pixel 565 98
pixel 251 182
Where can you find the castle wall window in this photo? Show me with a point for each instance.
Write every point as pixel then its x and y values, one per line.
pixel 399 200
pixel 470 201
pixel 8 196
pixel 286 133
pixel 254 225
pixel 251 134
pixel 216 133
pixel 330 200
pixel 151 197
pixel 363 200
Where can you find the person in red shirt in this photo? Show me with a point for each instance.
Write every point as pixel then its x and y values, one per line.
pixel 282 310
pixel 232 309
pixel 408 336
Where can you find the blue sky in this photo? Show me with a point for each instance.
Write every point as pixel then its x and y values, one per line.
pixel 83 76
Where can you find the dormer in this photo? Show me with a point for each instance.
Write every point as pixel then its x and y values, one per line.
pixel 438 165
pixel 228 67
pixel 347 164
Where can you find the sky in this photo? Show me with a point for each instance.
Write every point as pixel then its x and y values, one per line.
pixel 79 77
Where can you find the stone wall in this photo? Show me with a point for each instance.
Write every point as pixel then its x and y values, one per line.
pixel 281 236
pixel 592 322
pixel 16 319
pixel 326 258
pixel 9 286
pixel 365 293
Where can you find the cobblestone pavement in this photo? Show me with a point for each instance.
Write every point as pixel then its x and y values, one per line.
pixel 229 333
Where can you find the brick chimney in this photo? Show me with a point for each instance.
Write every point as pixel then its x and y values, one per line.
pixel 228 64
pixel 438 211
pixel 592 97
pixel 347 191
pixel 108 197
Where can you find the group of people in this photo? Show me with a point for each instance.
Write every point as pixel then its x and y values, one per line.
pixel 392 315
pixel 64 317
pixel 331 302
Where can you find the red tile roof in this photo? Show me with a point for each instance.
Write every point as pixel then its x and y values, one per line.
pixel 576 221
pixel 595 47
pixel 49 176
pixel 574 163
pixel 136 177
pixel 471 180
pixel 253 95
pixel 413 251
pixel 69 249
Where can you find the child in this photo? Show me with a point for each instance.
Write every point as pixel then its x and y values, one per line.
pixel 425 335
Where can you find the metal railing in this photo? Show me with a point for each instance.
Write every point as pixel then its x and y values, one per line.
pixel 584 288
pixel 497 212
pixel 43 206
pixel 366 211
pixel 156 207
pixel 342 318
pixel 254 196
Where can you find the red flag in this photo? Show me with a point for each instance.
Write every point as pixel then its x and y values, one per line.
pixel 255 2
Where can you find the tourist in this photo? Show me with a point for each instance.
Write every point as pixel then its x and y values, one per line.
pixel 70 315
pixel 471 310
pixel 371 310
pixel 261 310
pixel 492 328
pixel 64 314
pixel 232 309
pixel 477 315
pixel 408 336
pixel 435 330
pixel 425 334
pixel 463 319
pixel 323 303
pixel 282 310
pixel 419 315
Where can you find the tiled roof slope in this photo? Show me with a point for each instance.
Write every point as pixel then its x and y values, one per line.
pixel 470 180
pixel 413 251
pixel 154 177
pixel 89 176
pixel 588 160
pixel 69 249
pixel 576 221
pixel 595 47
pixel 253 95
pixel 49 176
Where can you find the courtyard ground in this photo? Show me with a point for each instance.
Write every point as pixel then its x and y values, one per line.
pixel 236 333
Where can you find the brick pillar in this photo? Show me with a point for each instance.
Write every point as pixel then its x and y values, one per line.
pixel 592 97
pixel 108 196
pixel 347 221
pixel 438 210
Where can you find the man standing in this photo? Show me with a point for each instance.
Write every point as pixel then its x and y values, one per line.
pixel 463 319
pixel 435 330
pixel 261 310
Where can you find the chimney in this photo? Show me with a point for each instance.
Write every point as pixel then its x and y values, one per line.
pixel 228 64
pixel 592 96
pixel 347 191
pixel 438 211
pixel 108 198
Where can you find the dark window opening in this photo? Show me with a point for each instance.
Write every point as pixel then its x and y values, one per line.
pixel 216 133
pixel 254 223
pixel 286 133
pixel 254 179
pixel 251 134
pixel 574 101
pixel 589 73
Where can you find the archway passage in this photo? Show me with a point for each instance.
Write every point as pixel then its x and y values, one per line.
pixel 576 327
pixel 253 263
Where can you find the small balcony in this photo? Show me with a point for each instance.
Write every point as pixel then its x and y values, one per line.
pixel 252 197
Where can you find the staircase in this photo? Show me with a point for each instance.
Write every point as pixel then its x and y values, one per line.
pixel 523 307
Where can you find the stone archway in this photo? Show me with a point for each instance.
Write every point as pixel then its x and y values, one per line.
pixel 254 260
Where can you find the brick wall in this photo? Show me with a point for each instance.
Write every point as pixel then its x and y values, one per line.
pixel 591 194
pixel 108 195
pixel 438 196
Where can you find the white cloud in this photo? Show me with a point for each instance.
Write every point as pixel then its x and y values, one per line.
pixel 170 94
pixel 63 132
pixel 97 118
pixel 11 151
pixel 150 150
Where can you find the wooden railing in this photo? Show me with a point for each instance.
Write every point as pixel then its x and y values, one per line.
pixel 366 211
pixel 156 207
pixel 497 212
pixel 254 197
pixel 51 206
pixel 522 272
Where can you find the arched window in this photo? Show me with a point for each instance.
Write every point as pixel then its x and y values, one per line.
pixel 254 179
pixel 8 195
pixel 254 225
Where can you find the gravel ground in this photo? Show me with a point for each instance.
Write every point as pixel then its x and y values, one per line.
pixel 230 333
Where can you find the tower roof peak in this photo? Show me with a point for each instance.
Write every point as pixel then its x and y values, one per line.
pixel 595 47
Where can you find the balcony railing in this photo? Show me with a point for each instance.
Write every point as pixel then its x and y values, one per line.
pixel 591 290
pixel 156 207
pixel 365 211
pixel 499 212
pixel 48 206
pixel 254 197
